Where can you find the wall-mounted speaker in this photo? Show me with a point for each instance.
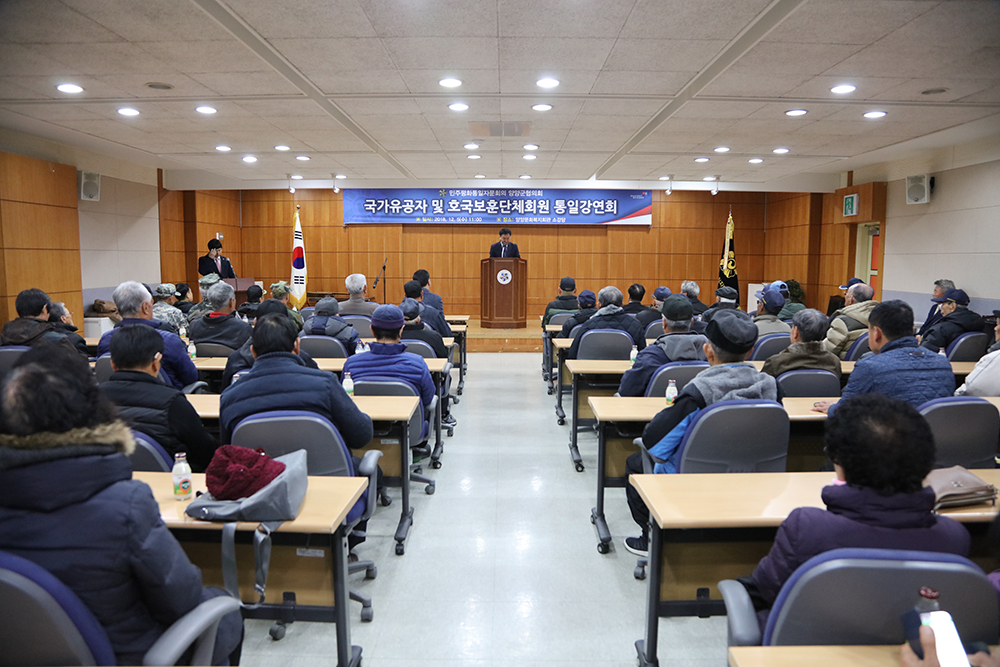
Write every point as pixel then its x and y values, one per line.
pixel 90 185
pixel 918 189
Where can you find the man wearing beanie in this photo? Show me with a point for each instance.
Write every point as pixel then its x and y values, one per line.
pixel 649 315
pixel 610 316
pixel 731 335
pixel 678 343
pixel 587 301
pixel 564 303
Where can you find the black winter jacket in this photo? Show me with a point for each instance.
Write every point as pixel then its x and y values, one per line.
pixel 333 326
pixel 227 330
pixel 561 304
pixel 29 331
pixel 242 359
pixel 579 317
pixel 428 335
pixel 619 320
pixel 951 326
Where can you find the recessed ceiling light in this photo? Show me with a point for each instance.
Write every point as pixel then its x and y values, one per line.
pixel 128 111
pixel 480 176
pixel 664 178
pixel 709 178
pixel 722 149
pixel 249 158
pixel 780 151
pixel 224 149
pixel 450 83
pixel 529 156
pixel 473 156
pixel 296 177
pixel 547 82
pixel 159 85
pixel 340 177
pixel 69 88
pixel 531 147
pixel 796 112
pixel 933 91
pixel 472 145
pixel 206 110
pixel 458 106
pixel 524 177
pixel 304 158
pixel 701 159
pixel 281 147
pixel 541 107
pixel 843 89
pixel 755 160
pixel 875 114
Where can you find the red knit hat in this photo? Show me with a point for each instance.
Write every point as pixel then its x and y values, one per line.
pixel 240 472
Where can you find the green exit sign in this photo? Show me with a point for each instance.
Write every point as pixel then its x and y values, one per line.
pixel 850 205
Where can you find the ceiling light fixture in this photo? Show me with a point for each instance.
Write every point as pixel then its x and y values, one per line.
pixel 547 82
pixel 709 178
pixel 796 112
pixel 875 114
pixel 224 149
pixel 701 159
pixel 128 111
pixel 159 85
pixel 715 186
pixel 69 88
pixel 531 147
pixel 473 156
pixel 458 106
pixel 340 177
pixel 291 188
pixel 281 147
pixel 249 159
pixel 296 177
pixel 755 160
pixel 450 83
pixel 664 178
pixel 722 149
pixel 529 156
pixel 780 151
pixel 843 89
pixel 524 177
pixel 542 107
pixel 336 190
pixel 480 176
pixel 933 91
pixel 304 158
pixel 472 145
pixel 206 110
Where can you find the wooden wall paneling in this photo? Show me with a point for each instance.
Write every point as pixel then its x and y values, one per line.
pixel 40 227
pixel 50 270
pixel 26 179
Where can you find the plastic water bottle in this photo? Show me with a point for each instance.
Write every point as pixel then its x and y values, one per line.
pixel 367 348
pixel 633 354
pixel 183 333
pixel 359 347
pixel 192 351
pixel 182 477
pixel 348 384
pixel 942 352
pixel 671 392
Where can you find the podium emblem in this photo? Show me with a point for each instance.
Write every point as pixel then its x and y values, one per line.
pixel 504 277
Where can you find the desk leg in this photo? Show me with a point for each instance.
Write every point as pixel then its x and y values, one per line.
pixel 597 514
pixel 461 365
pixel 549 375
pixel 438 444
pixel 574 452
pixel 347 655
pixel 406 513
pixel 646 648
pixel 560 414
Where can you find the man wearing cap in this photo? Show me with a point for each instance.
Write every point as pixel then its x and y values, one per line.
pixel 612 316
pixel 325 322
pixel 807 351
pixel 731 335
pixel 956 319
pixel 564 303
pixel 415 329
pixel 678 343
pixel 432 317
pixel 214 262
pixel 649 315
pixel 248 309
pixel 587 301
pixel 202 308
pixel 164 298
pixel 851 283
pixel 848 323
pixel 934 314
pixel 222 325
pixel 769 304
pixel 242 359
pixel 431 299
pixel 725 299
pixel 636 293
pixel 281 291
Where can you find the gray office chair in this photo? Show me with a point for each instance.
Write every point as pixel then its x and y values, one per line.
pixel 809 382
pixel 654 330
pixel 9 354
pixel 966 431
pixel 424 349
pixel 680 372
pixel 283 431
pixel 575 331
pixel 969 346
pixel 322 347
pixel 557 319
pixel 149 455
pixel 52 626
pixel 307 312
pixel 419 347
pixel 856 597
pixel 102 368
pixel 605 344
pixel 560 318
pixel 769 345
pixel 361 323
pixel 213 350
pixel 858 348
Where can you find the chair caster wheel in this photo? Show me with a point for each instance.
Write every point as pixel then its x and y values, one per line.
pixel 436 465
pixel 455 400
pixel 451 432
pixel 579 467
pixel 367 614
pixel 594 520
pixel 429 489
pixel 400 549
pixel 371 572
pixel 640 573
pixel 384 499
pixel 561 421
pixel 603 548
pixel 277 631
pixel 459 392
pixel 418 469
pixel 551 391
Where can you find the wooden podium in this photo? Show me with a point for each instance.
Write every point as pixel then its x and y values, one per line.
pixel 503 293
pixel 240 285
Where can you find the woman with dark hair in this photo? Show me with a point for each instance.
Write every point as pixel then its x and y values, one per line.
pixel 184 296
pixel 68 503
pixel 795 299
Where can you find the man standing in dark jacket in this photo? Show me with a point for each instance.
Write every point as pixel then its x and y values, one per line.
pixel 587 301
pixel 430 316
pixel 679 343
pixel 151 407
pixel 325 322
pixel 222 325
pixel 609 316
pixel 956 319
pixel 32 325
pixel 564 303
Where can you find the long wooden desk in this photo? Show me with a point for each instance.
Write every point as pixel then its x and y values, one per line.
pixel 705 528
pixel 218 364
pixel 797 656
pixel 320 524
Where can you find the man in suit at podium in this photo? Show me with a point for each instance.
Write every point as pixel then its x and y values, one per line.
pixel 503 247
pixel 214 262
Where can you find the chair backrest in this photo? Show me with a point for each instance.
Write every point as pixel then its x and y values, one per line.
pixel 736 436
pixel 966 431
pixel 307 312
pixel 605 344
pixel 575 331
pixel 970 346
pixel 679 371
pixel 323 347
pixel 858 348
pixel 102 368
pixel 654 329
pixel 809 382
pixel 149 455
pixel 560 318
pixel 769 345
pixel 420 347
pixel 8 355
pixel 213 350
pixel 50 626
pixel 361 323
pixel 390 387
pixel 279 432
pixel 856 597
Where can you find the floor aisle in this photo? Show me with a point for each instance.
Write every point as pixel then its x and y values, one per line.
pixel 501 566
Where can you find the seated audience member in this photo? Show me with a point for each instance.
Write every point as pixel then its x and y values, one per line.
pixel 654 314
pixel 725 299
pixel 934 315
pixel 678 343
pixel 984 380
pixel 62 319
pixel 956 319
pixel 610 316
pixel 164 298
pixel 32 325
pixel 731 335
pixel 151 407
pixel 795 298
pixel 325 321
pixel 587 301
pixel 636 293
pixel 848 323
pixel 851 283
pixel 184 303
pixel 242 359
pixel 564 303
pixel 769 304
pixel 432 317
pixel 881 449
pixel 280 291
pixel 807 351
pixel 248 309
pixel 136 307
pixel 357 303
pixel 415 329
pixel 690 289
pixel 68 503
pixel 431 299
pixel 222 326
pixel 202 308
pixel 899 368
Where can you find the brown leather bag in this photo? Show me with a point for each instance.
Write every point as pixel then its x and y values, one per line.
pixel 957 487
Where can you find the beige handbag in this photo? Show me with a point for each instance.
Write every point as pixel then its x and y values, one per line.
pixel 957 487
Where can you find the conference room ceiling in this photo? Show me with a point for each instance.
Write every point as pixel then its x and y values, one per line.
pixel 645 86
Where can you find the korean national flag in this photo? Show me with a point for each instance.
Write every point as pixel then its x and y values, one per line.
pixel 298 283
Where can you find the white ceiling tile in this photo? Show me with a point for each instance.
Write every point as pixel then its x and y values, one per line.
pixel 304 123
pixel 776 111
pixel 345 53
pixel 682 19
pixel 557 53
pixel 737 82
pixel 265 108
pixel 206 56
pixel 444 18
pixel 151 20
pixel 626 107
pixel 479 107
pixel 44 87
pixel 660 83
pixel 49 22
pixel 667 143
pixel 955 89
pixel 246 83
pixel 908 59
pixel 867 87
pixel 663 55
pixel 578 140
pixel 305 18
pixel 577 81
pixel 774 58
pixel 431 53
pixel 99 59
pixel 529 18
pixel 990 96
pixel 965 25
pixel 54 111
pixel 365 107
pixel 846 21
pixel 717 109
pixel 428 165
pixel 332 81
pixel 520 109
pixel 473 80
pixel 134 85
pixel 30 60
pixel 21 88
pixel 330 140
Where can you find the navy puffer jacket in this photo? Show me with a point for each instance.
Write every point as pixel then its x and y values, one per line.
pixel 610 318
